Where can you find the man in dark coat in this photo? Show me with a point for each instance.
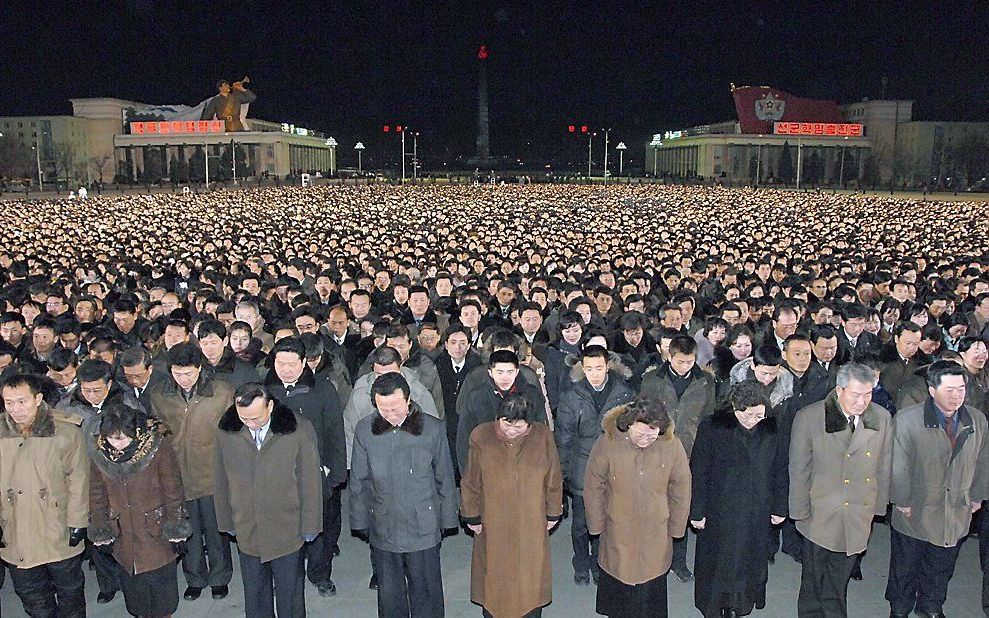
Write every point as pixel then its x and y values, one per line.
pixel 294 385
pixel 453 365
pixel 141 373
pixel 269 495
pixel 578 426
pixel 852 337
pixel 221 362
pixel 898 359
pixel 688 394
pixel 402 498
pixel 481 403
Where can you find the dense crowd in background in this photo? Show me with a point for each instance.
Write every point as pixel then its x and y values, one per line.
pixel 755 367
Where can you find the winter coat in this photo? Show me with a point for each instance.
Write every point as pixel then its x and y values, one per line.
pixel 233 370
pixel 638 500
pixel 317 401
pixel 578 426
pixel 44 488
pixel 893 371
pixel 361 404
pixel 738 480
pixel 193 425
pixel 425 369
pixel 270 498
pixel 687 412
pixel 481 404
pixel 75 404
pixel 782 388
pixel 451 382
pixel 512 489
pixel 839 480
pixel 138 504
pixel 402 489
pixel 937 481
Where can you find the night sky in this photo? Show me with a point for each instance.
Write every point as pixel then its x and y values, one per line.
pixel 346 68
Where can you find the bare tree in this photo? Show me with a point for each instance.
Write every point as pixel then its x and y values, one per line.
pixel 102 164
pixel 15 159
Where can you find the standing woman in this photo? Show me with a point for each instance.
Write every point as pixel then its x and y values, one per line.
pixel 739 481
pixel 637 497
pixel 137 504
pixel 511 497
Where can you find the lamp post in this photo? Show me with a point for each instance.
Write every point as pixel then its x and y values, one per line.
pixel 332 144
pixel 360 149
pixel 403 157
pixel 621 158
pixel 606 131
pixel 655 143
pixel 37 155
pixel 590 139
pixel 415 156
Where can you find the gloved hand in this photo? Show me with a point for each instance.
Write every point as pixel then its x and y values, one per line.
pixel 448 532
pixel 76 536
pixel 179 547
pixel 2 544
pixel 361 534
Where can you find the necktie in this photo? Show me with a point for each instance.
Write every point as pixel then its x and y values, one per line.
pixel 949 428
pixel 258 439
pixel 851 424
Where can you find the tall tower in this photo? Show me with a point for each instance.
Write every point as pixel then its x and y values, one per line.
pixel 483 134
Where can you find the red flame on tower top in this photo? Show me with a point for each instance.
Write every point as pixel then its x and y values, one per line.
pixel 482 52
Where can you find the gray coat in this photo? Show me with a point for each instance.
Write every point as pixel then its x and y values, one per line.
pixel 402 489
pixel 936 481
pixel 360 405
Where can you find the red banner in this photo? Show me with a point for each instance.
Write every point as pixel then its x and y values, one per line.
pixel 169 127
pixel 758 107
pixel 824 129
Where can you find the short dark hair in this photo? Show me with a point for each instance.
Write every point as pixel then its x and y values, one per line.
pixel 124 305
pixel 211 327
pixel 291 344
pixel 503 356
pixel 965 343
pixel 118 417
pixel 387 383
pixel 136 355
pixel 185 355
pixel 514 408
pixel 767 356
pixel 822 331
pixel 12 316
pixel 594 351
pixel 60 359
pixel 939 369
pixel 795 337
pixel 248 392
pixel 32 381
pixel 313 344
pixel 93 370
pixel 682 344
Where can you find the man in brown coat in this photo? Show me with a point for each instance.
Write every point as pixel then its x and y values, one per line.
pixel 44 478
pixel 269 495
pixel 191 403
pixel 840 466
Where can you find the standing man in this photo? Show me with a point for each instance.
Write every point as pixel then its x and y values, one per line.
pixel 940 477
pixel 269 495
pixel 840 466
pixel 453 365
pixel 192 402
pixel 44 478
pixel 293 384
pixel 402 497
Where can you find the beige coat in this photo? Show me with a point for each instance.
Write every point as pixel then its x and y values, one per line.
pixel 839 480
pixel 44 488
pixel 638 500
pixel 512 489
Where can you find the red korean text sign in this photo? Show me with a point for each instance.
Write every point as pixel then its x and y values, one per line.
pixel 168 127
pixel 827 129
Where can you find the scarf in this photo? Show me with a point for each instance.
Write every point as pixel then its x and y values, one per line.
pixel 140 446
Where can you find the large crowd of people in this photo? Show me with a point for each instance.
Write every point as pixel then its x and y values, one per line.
pixel 764 371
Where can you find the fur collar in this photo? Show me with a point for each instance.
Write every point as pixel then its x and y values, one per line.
pixel 282 420
pixel 412 423
pixel 727 420
pixel 609 423
pixel 834 418
pixel 138 462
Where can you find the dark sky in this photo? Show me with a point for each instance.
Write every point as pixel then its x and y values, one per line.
pixel 347 68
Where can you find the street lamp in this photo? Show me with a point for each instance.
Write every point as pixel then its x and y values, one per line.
pixel 655 143
pixel 590 140
pixel 360 149
pixel 621 147
pixel 606 131
pixel 332 144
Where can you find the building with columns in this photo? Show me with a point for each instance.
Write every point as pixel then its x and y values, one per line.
pixel 93 144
